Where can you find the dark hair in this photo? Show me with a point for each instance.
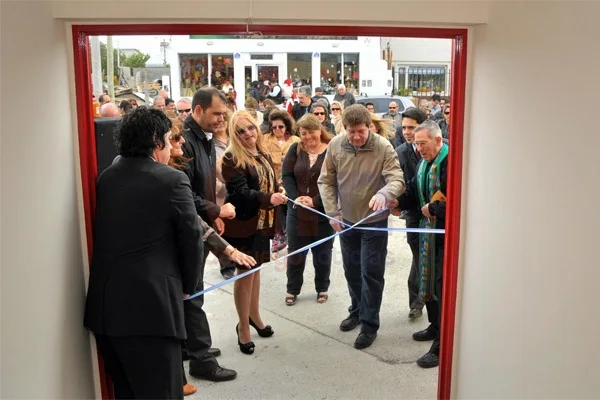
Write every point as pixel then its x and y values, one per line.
pixel 169 101
pixel 141 131
pixel 416 114
pixel 102 97
pixel 204 97
pixel 369 104
pixel 125 106
pixel 436 97
pixel 279 115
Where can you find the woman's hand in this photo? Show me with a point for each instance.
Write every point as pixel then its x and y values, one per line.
pixel 278 198
pixel 305 200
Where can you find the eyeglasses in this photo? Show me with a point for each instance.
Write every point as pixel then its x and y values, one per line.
pixel 447 112
pixel 335 109
pixel 187 110
pixel 319 113
pixel 278 127
pixel 249 128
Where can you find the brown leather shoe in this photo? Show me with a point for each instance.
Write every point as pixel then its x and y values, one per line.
pixel 189 389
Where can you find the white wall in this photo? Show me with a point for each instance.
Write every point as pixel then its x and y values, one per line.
pixel 528 323
pixel 418 51
pixel 45 349
pixel 527 326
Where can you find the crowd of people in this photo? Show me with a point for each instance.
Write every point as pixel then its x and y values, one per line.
pixel 195 176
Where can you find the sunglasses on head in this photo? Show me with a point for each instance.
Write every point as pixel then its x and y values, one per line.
pixel 319 113
pixel 278 127
pixel 186 110
pixel 249 128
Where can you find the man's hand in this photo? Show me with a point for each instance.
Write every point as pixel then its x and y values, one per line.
pixel 278 198
pixel 337 226
pixel 393 204
pixel 227 211
pixel 219 226
pixel 185 296
pixel 396 212
pixel 377 202
pixel 241 259
pixel 425 211
pixel 305 200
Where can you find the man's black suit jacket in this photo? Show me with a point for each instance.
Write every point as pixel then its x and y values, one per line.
pixel 408 162
pixel 147 250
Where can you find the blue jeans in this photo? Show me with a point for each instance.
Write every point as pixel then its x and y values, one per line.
pixel 364 254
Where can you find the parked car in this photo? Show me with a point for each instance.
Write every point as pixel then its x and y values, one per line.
pixel 381 103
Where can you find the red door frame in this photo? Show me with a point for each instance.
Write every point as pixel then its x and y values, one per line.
pixel 87 146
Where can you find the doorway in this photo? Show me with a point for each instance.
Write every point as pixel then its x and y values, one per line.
pixel 87 149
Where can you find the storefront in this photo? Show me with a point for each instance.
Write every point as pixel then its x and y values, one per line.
pixel 216 61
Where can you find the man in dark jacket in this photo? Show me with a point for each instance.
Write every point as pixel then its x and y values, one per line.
pixel 147 256
pixel 409 157
pixel 304 103
pixel 209 106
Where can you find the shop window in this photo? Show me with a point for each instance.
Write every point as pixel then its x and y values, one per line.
pixel 221 70
pixel 351 73
pixel 427 78
pixel 331 72
pixel 194 73
pixel 299 68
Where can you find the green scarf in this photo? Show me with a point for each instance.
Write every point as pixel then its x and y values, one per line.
pixel 427 185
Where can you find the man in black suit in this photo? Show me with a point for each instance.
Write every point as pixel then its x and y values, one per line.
pixel 146 258
pixel 209 106
pixel 409 157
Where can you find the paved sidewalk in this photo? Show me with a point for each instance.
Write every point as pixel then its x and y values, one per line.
pixel 309 357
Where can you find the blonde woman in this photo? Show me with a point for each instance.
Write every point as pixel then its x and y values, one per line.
pixel 383 127
pixel 253 189
pixel 337 111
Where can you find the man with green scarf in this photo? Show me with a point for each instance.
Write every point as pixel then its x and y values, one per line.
pixel 428 190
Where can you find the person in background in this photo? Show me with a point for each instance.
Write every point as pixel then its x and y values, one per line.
pixel 393 115
pixel 301 169
pixel 147 253
pixel 159 103
pixel 109 110
pixel 253 189
pixel 134 103
pixel 344 96
pixel 370 107
pixel 251 105
pixel 319 96
pixel 445 122
pixel 277 144
pixel 125 107
pixel 434 105
pixel 304 103
pixel 382 127
pixel 337 111
pixel 170 107
pixel 319 110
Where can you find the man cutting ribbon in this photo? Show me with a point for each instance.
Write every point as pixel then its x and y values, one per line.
pixel 361 173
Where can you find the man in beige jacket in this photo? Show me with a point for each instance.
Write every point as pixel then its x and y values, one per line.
pixel 361 174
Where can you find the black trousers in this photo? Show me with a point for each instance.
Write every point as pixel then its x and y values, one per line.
pixel 414 301
pixel 198 340
pixel 434 308
pixel 364 254
pixel 298 238
pixel 143 367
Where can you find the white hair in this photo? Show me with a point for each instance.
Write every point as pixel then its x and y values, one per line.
pixel 184 100
pixel 432 128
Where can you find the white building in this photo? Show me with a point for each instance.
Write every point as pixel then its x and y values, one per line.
pixel 420 65
pixel 355 61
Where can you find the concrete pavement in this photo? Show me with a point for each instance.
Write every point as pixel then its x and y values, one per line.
pixel 309 357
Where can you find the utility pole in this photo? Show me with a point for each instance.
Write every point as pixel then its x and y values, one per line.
pixel 110 67
pixel 96 65
pixel 164 44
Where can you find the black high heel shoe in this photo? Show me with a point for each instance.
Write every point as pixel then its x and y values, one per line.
pixel 246 348
pixel 267 331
